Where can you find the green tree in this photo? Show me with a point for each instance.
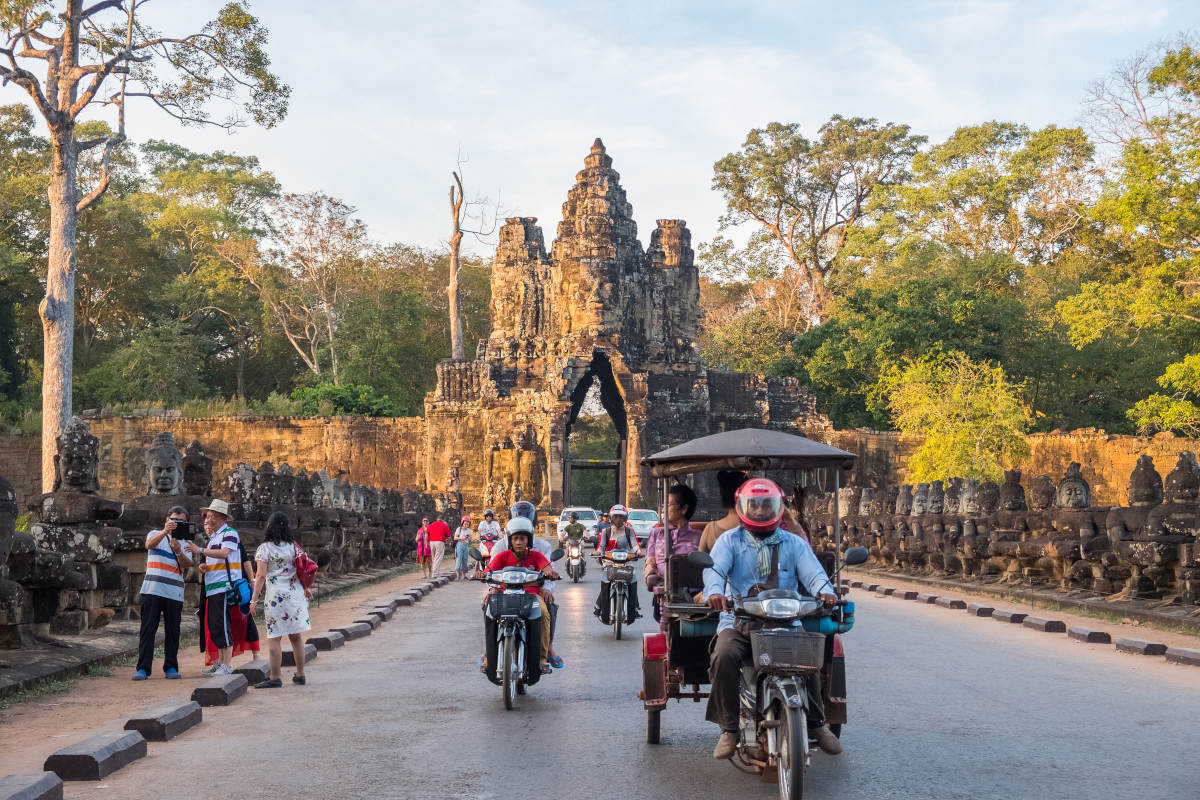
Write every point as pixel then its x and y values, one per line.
pixel 968 413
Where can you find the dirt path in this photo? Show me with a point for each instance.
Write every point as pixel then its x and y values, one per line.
pixel 31 731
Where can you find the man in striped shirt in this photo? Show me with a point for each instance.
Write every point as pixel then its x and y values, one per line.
pixel 222 565
pixel 162 594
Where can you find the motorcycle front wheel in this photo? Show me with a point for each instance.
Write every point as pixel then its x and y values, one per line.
pixel 509 675
pixel 618 609
pixel 789 762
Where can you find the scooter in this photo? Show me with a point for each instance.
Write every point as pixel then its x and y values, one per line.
pixel 482 554
pixel 618 567
pixel 576 563
pixel 511 608
pixel 787 634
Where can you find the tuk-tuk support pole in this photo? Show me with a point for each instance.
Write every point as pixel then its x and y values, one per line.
pixel 837 532
pixel 662 488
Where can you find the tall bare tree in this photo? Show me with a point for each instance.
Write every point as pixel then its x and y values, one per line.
pixel 82 47
pixel 460 211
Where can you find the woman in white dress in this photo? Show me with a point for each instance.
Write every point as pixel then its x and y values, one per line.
pixel 286 601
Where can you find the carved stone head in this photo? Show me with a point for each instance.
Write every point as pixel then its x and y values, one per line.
pixel 197 470
pixel 846 502
pixel 285 485
pixel 988 497
pixel 302 490
pixel 969 500
pixel 1183 482
pixel 1145 484
pixel 953 504
pixel 264 485
pixel 164 466
pixel 904 500
pixel 920 500
pixel 890 496
pixel 8 519
pixel 1041 493
pixel 937 498
pixel 326 492
pixel 864 501
pixel 1012 494
pixel 878 502
pixel 77 462
pixel 240 483
pixel 1073 490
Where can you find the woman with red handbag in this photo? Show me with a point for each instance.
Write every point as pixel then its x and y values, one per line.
pixel 286 598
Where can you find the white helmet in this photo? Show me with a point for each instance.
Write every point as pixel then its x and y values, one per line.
pixel 519 525
pixel 618 511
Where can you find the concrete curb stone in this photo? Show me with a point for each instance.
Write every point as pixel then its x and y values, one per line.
pixel 164 721
pixel 310 654
pixel 221 690
pixel 97 757
pixel 356 630
pixel 38 786
pixel 1045 625
pixel 1141 647
pixel 870 587
pixel 405 601
pixel 950 602
pixel 927 598
pixel 1089 635
pixel 1010 616
pixel 255 671
pixel 1183 655
pixel 979 610
pixel 331 640
pixel 374 620
pixel 906 595
pixel 387 612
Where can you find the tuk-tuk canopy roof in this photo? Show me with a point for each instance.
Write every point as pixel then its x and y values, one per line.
pixel 747 449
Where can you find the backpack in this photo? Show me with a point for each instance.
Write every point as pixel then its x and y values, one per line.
pixel 306 568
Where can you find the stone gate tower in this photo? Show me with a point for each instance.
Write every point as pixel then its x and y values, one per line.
pixel 597 307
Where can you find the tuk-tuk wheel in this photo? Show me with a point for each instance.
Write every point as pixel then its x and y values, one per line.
pixel 653 717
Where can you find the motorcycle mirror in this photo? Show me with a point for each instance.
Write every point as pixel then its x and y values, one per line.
pixel 855 556
pixel 557 554
pixel 698 559
pixel 475 554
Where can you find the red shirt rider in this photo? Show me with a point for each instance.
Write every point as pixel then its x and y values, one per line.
pixel 532 560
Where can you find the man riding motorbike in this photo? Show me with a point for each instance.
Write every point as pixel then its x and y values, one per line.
pixel 523 509
pixel 519 554
pixel 756 554
pixel 619 536
pixel 489 529
pixel 574 533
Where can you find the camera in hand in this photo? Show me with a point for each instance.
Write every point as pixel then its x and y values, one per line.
pixel 183 530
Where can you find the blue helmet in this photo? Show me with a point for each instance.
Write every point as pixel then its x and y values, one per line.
pixel 524 508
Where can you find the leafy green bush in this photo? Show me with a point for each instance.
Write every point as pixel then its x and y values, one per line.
pixel 350 399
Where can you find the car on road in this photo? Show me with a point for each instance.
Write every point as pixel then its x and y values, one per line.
pixel 643 520
pixel 588 517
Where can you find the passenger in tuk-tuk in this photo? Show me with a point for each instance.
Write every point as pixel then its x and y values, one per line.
pixel 758 553
pixel 685 538
pixel 728 482
pixel 619 536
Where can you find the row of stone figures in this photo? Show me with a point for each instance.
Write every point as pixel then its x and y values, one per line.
pixel 1051 534
pixel 82 561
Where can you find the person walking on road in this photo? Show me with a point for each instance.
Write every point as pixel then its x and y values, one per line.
pixel 424 555
pixel 439 534
pixel 286 601
pixel 162 594
pixel 462 546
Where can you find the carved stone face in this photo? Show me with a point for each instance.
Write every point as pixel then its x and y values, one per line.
pixel 878 502
pixel 241 483
pixel 77 462
pixel 904 500
pixel 1041 493
pixel 970 496
pixel 164 466
pixel 865 500
pixel 302 490
pixel 988 497
pixel 937 498
pixel 1012 494
pixel 1145 484
pixel 1073 490
pixel 920 500
pixel 953 503
pixel 890 496
pixel 1183 482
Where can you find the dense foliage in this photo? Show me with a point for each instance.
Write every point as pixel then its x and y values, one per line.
pixel 1068 259
pixel 203 284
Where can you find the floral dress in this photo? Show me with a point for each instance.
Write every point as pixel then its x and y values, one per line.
pixel 285 606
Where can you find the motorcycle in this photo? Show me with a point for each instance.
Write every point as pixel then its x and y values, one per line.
pixel 788 635
pixel 511 608
pixel 618 568
pixel 576 564
pixel 482 554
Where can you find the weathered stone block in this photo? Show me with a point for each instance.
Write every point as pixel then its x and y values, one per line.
pixel 1089 635
pixel 1141 647
pixel 386 602
pixel 310 654
pixel 220 690
pixel 406 600
pixel 255 671
pixel 1184 655
pixel 927 598
pixel 39 786
pixel 885 591
pixel 111 577
pixel 356 630
pixel 1045 625
pixel 387 612
pixel 90 543
pixel 416 595
pixel 99 617
pixel 166 720
pixel 907 595
pixel 870 587
pixel 69 623
pixel 374 620
pixel 950 602
pixel 97 757
pixel 979 610
pixel 327 641
pixel 855 584
pixel 1010 616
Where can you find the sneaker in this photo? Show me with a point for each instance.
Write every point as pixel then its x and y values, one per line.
pixel 826 739
pixel 271 683
pixel 223 669
pixel 140 675
pixel 298 680
pixel 726 746
pixel 211 670
pixel 173 675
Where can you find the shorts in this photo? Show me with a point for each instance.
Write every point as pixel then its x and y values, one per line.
pixel 216 617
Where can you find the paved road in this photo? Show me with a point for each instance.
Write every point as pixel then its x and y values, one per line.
pixel 943 706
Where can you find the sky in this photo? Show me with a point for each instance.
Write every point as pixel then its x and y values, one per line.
pixel 387 95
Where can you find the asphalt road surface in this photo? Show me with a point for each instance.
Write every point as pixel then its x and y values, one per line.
pixel 941 706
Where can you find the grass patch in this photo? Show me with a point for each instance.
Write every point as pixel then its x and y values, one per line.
pixel 98 671
pixel 39 690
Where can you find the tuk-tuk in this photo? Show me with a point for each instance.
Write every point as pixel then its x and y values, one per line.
pixel 675 661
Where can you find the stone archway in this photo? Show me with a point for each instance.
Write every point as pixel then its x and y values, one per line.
pixel 613 401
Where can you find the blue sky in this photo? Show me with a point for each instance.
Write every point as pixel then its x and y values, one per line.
pixel 385 94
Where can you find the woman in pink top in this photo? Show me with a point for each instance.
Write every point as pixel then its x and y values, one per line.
pixel 681 505
pixel 424 553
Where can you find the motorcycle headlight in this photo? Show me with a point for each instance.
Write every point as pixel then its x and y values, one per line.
pixel 574 552
pixel 513 576
pixel 775 608
pixel 619 555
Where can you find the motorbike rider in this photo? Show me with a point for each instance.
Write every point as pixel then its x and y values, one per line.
pixel 758 552
pixel 489 528
pixel 523 509
pixel 575 533
pixel 519 553
pixel 619 536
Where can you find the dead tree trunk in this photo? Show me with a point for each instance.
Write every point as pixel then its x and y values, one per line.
pixel 456 234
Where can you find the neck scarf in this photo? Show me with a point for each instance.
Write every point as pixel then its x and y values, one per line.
pixel 763 549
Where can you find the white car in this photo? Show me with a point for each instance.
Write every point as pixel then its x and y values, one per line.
pixel 588 517
pixel 643 520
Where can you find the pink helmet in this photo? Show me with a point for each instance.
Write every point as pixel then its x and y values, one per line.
pixel 618 511
pixel 759 505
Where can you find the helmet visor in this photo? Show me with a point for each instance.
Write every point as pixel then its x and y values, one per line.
pixel 765 509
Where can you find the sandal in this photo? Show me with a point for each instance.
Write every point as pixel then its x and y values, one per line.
pixel 557 662
pixel 272 683
pixel 298 679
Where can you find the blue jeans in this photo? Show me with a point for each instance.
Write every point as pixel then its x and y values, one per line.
pixel 460 556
